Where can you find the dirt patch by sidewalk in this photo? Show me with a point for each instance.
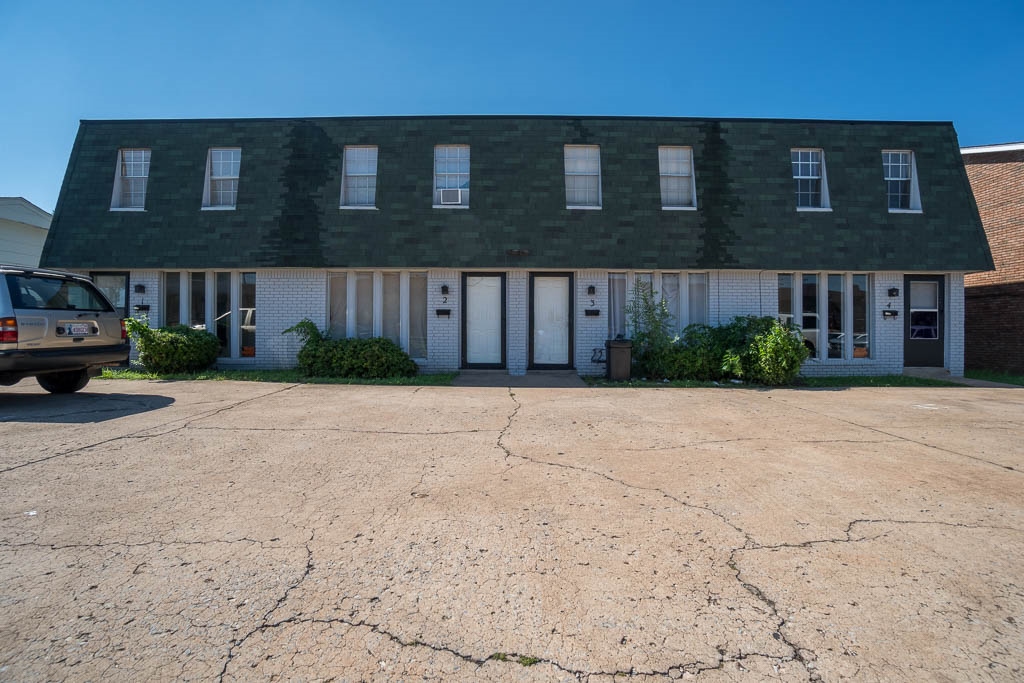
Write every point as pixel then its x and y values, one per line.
pixel 237 531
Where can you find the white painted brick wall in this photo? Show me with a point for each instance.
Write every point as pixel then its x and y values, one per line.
pixel 592 332
pixel 886 346
pixel 443 334
pixel 153 297
pixel 517 317
pixel 283 298
pixel 286 296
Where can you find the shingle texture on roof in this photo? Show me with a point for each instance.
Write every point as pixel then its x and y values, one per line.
pixel 290 182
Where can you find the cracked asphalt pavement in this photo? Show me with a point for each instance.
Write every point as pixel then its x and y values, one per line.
pixel 245 531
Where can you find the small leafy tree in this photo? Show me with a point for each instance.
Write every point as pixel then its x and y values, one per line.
pixel 651 325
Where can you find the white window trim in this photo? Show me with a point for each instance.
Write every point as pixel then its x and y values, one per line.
pixel 345 174
pixel 683 314
pixel 469 180
pixel 600 189
pixel 915 191
pixel 826 203
pixel 185 313
pixel 206 182
pixel 115 195
pixel 797 303
pixel 692 176
pixel 378 303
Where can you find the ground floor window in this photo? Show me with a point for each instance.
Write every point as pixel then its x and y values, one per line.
pixel 685 296
pixel 391 304
pixel 221 302
pixel 843 331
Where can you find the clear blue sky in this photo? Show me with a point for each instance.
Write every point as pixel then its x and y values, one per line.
pixel 98 59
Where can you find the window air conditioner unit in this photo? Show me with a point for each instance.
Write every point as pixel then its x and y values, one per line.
pixel 451 196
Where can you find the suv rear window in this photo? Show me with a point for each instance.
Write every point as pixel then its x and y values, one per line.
pixel 42 293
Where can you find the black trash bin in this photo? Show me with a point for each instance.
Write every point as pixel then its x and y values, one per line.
pixel 619 355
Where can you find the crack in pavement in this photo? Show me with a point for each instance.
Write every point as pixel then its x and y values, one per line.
pixel 141 544
pixel 750 438
pixel 341 430
pixel 798 652
pixel 900 437
pixel 694 668
pixel 140 434
pixel 233 647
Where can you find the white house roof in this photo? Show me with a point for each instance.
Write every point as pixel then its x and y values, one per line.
pixel 21 210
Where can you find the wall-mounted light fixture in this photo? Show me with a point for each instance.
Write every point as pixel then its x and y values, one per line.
pixel 894 291
pixel 140 289
pixel 444 289
pixel 591 290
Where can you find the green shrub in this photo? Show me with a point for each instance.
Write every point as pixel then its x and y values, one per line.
pixel 173 349
pixel 778 354
pixel 653 337
pixel 322 356
pixel 755 349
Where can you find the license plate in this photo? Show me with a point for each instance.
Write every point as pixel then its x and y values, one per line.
pixel 79 329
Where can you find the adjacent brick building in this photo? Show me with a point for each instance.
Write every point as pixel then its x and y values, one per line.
pixel 515 242
pixel 994 323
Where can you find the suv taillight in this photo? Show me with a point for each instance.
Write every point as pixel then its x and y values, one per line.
pixel 8 330
pixel 124 332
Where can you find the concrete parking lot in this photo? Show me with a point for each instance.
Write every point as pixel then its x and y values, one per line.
pixel 241 531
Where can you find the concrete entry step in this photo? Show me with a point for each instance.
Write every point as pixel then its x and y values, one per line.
pixel 552 379
pixel 943 374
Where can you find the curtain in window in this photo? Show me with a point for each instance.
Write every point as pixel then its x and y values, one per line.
pixel 698 298
pixel 418 315
pixel 339 304
pixel 364 305
pixel 616 305
pixel 670 293
pixel 391 326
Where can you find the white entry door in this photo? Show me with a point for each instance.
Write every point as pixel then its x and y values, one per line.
pixel 551 319
pixel 483 319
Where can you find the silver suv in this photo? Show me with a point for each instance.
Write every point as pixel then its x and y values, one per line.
pixel 57 327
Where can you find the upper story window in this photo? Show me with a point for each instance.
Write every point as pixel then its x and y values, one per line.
pixel 130 179
pixel 677 185
pixel 451 176
pixel 222 167
pixel 582 176
pixel 901 180
pixel 359 177
pixel 810 179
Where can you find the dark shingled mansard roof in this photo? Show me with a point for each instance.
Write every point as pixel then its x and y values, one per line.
pixel 289 191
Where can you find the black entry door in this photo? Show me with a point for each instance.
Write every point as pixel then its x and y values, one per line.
pixel 115 287
pixel 923 340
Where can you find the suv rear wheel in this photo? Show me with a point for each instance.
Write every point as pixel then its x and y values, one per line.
pixel 64 382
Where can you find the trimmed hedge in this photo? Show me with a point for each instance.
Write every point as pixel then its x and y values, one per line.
pixel 173 349
pixel 376 358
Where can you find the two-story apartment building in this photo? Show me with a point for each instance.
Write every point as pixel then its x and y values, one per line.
pixel 514 241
